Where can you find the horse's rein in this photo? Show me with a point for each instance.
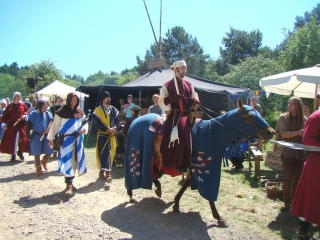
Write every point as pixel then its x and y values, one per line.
pixel 242 116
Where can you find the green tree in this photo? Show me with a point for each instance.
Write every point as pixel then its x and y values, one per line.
pixel 248 73
pixel 127 76
pixel 302 48
pixel 101 78
pixel 239 45
pixel 306 18
pixel 6 80
pixel 214 69
pixel 10 84
pixel 47 71
pixel 12 69
pixel 75 77
pixel 96 79
pixel 177 45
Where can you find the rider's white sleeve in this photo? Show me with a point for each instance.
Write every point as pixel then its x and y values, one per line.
pixel 163 94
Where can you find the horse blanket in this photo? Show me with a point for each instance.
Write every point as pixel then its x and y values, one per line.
pixel 138 156
pixel 206 160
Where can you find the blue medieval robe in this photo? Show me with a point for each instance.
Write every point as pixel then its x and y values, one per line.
pixel 138 156
pixel 38 123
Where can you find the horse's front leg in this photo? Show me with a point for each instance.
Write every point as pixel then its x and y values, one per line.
pixel 158 191
pixel 221 221
pixel 131 199
pixel 177 198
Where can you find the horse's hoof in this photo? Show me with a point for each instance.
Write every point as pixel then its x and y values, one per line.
pixel 176 208
pixel 132 200
pixel 158 193
pixel 222 223
pixel 181 182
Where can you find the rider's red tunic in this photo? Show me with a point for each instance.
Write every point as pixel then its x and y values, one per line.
pixel 177 156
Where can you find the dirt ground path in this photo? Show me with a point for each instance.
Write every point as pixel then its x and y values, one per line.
pixel 36 208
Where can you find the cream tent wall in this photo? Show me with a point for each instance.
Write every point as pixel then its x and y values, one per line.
pixel 61 89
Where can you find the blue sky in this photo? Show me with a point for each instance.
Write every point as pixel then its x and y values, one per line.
pixel 83 37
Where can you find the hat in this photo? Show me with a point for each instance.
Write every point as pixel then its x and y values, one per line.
pixel 135 108
pixel 180 63
pixel 106 94
pixel 318 94
pixel 130 95
pixel 3 101
pixel 15 94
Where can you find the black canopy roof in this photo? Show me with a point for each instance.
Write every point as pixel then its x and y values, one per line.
pixel 213 95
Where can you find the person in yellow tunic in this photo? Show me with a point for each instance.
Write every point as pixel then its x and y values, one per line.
pixel 106 120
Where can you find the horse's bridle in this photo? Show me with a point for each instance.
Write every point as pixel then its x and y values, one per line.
pixel 247 118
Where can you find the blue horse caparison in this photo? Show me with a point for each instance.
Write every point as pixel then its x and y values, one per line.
pixel 209 141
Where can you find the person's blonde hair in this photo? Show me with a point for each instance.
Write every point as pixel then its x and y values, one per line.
pixel 155 96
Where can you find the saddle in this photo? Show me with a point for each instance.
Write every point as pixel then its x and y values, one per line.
pixel 156 127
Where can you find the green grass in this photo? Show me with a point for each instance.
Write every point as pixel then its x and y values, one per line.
pixel 242 202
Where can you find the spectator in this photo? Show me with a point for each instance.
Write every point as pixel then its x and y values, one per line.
pixel 155 108
pixel 129 105
pixel 15 135
pixel 256 106
pixel 306 110
pixel 290 128
pixel 58 104
pixel 28 104
pixel 135 110
pixel 123 109
pixel 3 105
pixel 306 199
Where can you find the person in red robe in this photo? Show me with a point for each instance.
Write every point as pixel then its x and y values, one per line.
pixel 307 196
pixel 15 134
pixel 177 97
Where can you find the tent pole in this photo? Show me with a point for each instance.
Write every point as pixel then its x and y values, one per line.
pixel 140 97
pixel 315 98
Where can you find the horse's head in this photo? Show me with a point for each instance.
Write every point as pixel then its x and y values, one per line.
pixel 247 122
pixel 253 123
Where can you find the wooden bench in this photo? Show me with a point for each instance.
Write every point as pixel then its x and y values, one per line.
pixel 255 155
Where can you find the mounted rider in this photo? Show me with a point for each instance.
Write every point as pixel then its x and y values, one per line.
pixel 173 144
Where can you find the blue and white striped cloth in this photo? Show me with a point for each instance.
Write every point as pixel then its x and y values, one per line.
pixel 72 147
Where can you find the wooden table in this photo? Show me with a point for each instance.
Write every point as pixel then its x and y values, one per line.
pixel 256 156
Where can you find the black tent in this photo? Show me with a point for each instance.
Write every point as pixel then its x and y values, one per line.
pixel 213 95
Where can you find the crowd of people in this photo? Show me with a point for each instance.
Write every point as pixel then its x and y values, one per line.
pixel 58 130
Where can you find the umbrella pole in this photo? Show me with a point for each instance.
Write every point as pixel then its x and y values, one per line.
pixel 315 98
